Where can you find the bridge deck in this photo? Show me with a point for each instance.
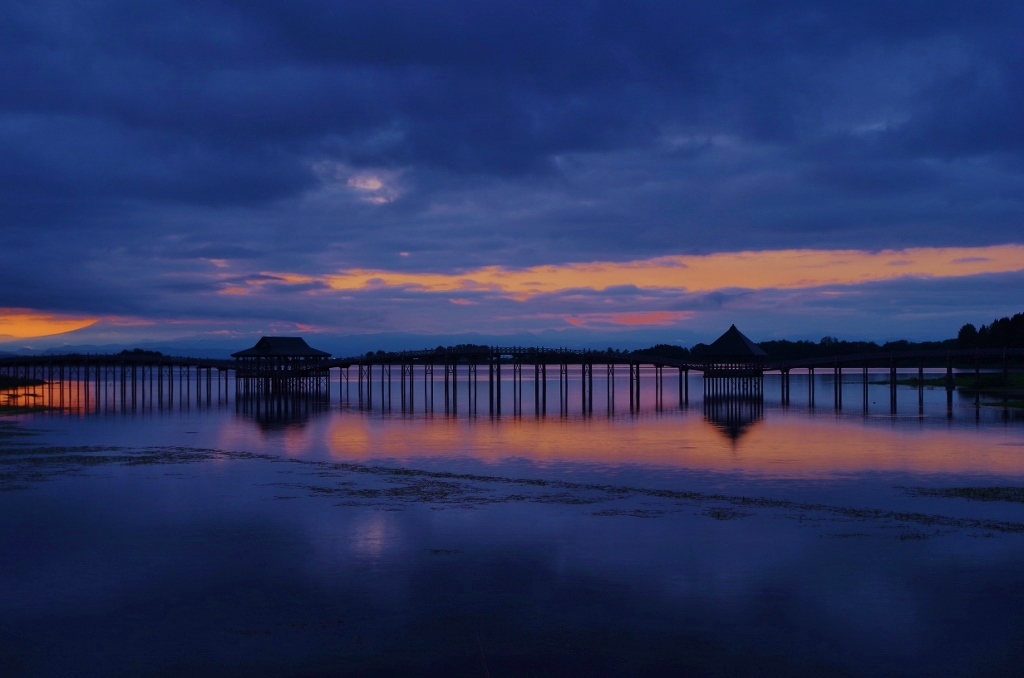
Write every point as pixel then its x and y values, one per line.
pixel 543 356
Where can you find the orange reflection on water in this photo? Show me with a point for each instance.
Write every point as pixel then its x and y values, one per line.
pixel 799 447
pixel 792 444
pixel 69 397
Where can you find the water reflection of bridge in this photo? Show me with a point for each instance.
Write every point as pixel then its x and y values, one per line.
pixel 97 381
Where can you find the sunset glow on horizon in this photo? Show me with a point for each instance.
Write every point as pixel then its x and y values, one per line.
pixel 592 296
pixel 780 269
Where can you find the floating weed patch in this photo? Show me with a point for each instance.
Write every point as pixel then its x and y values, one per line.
pixel 11 431
pixel 913 536
pixel 725 513
pixel 450 492
pixel 566 498
pixel 419 490
pixel 583 493
pixel 22 466
pixel 1011 494
pixel 1016 404
pixel 632 513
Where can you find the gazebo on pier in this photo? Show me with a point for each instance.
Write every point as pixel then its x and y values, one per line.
pixel 281 366
pixel 733 382
pixel 733 367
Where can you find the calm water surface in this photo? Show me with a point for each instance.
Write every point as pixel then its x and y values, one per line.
pixel 158 536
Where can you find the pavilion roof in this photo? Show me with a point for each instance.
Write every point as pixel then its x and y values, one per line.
pixel 281 347
pixel 734 344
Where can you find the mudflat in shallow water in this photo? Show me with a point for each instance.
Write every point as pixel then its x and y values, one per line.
pixel 205 538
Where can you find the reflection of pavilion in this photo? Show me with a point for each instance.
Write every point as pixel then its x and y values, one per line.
pixel 281 412
pixel 733 416
pixel 733 382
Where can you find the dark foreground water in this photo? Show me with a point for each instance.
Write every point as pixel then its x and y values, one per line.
pixel 201 538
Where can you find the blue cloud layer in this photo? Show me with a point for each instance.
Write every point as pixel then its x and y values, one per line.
pixel 164 132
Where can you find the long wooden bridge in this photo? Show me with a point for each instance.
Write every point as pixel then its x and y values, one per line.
pixel 131 373
pixel 540 359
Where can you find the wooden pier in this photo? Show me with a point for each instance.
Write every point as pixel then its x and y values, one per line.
pixel 281 367
pixel 406 380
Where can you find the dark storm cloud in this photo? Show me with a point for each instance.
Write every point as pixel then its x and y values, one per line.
pixel 239 88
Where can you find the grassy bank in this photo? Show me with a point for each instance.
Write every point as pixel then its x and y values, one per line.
pixel 1008 389
pixel 1016 404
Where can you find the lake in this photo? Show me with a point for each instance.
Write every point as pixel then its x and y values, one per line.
pixel 194 533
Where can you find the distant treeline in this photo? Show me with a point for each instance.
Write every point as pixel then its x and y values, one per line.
pixel 831 346
pixel 786 350
pixel 140 352
pixel 1002 333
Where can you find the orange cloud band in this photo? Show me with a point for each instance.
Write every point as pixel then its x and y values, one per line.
pixel 781 269
pixel 19 323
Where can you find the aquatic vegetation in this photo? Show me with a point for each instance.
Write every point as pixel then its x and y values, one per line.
pixel 15 407
pixel 725 513
pixel 1009 387
pixel 1011 494
pixel 1015 404
pixel 352 484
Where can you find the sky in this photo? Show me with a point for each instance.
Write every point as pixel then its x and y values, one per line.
pixel 559 173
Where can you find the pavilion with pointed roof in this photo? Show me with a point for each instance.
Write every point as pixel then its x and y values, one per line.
pixel 735 344
pixel 733 368
pixel 281 365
